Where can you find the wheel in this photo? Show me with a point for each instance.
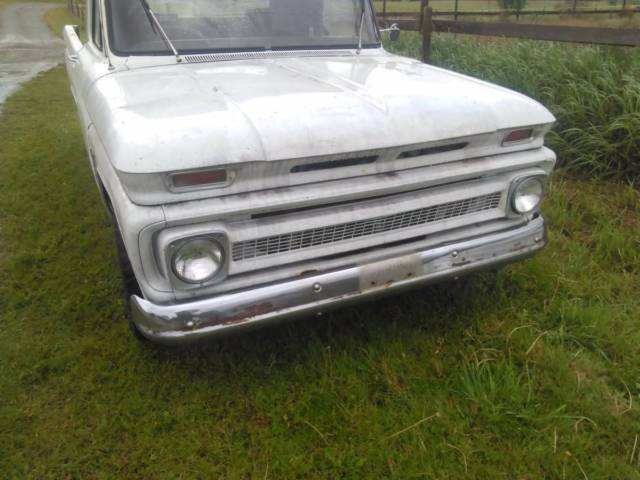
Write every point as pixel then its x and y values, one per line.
pixel 129 283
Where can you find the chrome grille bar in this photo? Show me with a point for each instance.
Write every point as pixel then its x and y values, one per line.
pixel 314 237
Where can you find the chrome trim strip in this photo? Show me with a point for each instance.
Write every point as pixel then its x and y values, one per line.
pixel 212 317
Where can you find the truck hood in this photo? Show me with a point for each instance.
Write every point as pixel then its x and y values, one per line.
pixel 190 116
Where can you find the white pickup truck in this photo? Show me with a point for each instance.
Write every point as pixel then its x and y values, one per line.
pixel 265 159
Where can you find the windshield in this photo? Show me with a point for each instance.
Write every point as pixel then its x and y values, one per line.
pixel 231 25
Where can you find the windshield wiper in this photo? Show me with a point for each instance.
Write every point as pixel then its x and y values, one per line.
pixel 156 24
pixel 360 25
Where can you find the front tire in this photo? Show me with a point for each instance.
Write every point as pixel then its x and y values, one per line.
pixel 129 283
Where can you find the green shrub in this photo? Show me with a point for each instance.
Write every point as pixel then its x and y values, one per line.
pixel 593 91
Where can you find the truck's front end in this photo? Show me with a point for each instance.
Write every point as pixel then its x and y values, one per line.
pixel 255 184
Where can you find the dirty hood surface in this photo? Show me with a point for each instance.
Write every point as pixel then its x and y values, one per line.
pixel 196 115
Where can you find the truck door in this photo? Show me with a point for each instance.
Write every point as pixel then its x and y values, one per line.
pixel 85 59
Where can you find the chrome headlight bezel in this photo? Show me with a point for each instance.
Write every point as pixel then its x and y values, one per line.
pixel 521 182
pixel 219 255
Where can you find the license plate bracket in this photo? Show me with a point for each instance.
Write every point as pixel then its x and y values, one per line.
pixel 387 272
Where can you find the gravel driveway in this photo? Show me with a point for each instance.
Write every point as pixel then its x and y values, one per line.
pixel 27 47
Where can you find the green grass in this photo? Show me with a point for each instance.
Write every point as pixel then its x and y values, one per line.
pixel 593 91
pixel 530 373
pixel 57 18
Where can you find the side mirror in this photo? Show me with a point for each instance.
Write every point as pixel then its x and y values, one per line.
pixel 71 39
pixel 73 45
pixel 394 32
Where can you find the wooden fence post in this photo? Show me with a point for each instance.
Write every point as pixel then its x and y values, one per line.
pixel 455 10
pixel 427 29
pixel 384 8
pixel 423 5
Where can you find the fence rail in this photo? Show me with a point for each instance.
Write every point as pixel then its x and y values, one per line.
pixel 509 13
pixel 627 37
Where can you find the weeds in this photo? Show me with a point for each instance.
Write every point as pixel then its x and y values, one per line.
pixel 593 91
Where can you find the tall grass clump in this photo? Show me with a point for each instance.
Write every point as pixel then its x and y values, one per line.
pixel 593 91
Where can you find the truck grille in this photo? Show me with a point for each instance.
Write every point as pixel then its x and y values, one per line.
pixel 288 242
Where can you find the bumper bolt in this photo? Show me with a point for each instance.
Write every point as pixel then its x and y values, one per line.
pixel 191 324
pixel 317 287
pixel 537 239
pixel 455 253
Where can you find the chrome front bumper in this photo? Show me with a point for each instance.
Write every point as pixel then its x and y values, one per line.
pixel 185 322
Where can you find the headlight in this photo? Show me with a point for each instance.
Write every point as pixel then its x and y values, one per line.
pixel 527 195
pixel 198 260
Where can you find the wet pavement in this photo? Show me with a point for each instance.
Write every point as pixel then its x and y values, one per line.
pixel 27 46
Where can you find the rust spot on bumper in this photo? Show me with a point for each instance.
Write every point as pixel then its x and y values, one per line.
pixel 248 312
